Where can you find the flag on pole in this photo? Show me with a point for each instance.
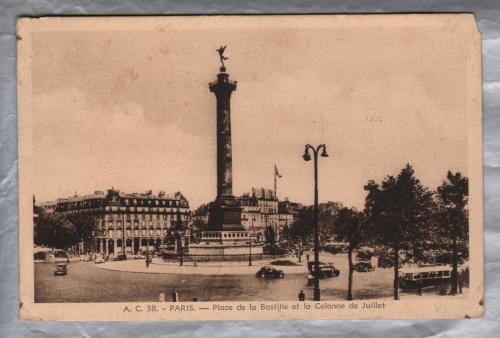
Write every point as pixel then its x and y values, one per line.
pixel 276 173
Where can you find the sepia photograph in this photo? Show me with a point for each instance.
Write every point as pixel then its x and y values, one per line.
pixel 250 167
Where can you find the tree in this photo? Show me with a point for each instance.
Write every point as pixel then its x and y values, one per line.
pixel 399 209
pixel 350 227
pixel 55 231
pixel 270 235
pixel 452 197
pixel 85 226
pixel 326 221
pixel 302 226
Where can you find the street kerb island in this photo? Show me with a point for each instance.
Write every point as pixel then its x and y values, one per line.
pixel 250 167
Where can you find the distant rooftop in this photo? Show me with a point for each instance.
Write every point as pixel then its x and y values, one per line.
pixel 101 195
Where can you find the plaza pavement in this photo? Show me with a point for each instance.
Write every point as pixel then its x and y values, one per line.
pixel 209 268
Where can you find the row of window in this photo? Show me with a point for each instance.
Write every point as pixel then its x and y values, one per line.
pixel 147 209
pixel 260 224
pixel 129 241
pixel 136 232
pixel 141 223
pixel 139 201
pixel 97 207
pixel 93 203
pixel 145 217
pixel 255 216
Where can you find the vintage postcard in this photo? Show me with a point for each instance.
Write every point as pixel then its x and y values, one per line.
pixel 250 167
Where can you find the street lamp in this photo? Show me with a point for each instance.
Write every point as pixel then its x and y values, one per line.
pixel 124 245
pixel 250 252
pixel 307 157
pixel 179 236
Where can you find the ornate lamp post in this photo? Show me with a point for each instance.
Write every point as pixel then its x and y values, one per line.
pixel 307 157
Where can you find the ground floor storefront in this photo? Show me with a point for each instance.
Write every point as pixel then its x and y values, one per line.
pixel 133 245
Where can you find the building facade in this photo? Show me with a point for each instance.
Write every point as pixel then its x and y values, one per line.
pixel 129 223
pixel 48 207
pixel 261 210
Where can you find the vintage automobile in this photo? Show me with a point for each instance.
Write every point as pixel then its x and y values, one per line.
pixel 336 247
pixel 120 257
pixel 269 272
pixel 415 277
pixel 363 266
pixel 61 270
pixel 84 258
pixel 326 270
pixel 99 259
pixel 387 261
pixel 365 254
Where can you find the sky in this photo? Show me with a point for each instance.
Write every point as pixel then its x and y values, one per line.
pixel 127 105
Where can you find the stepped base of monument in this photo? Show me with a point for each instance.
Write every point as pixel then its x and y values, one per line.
pixel 236 245
pixel 217 258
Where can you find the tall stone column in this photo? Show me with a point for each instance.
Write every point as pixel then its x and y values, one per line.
pixel 222 88
pixel 225 212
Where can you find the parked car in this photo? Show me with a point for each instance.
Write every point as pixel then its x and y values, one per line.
pixel 387 261
pixel 99 260
pixel 336 247
pixel 363 266
pixel 121 257
pixel 269 272
pixel 140 256
pixel 364 255
pixel 326 270
pixel 61 269
pixel 84 258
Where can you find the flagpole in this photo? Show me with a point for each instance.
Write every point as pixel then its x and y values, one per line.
pixel 275 172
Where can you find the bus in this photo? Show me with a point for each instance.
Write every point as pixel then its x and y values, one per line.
pixel 49 255
pixel 415 277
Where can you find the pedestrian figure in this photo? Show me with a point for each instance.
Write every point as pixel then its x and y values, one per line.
pixel 195 264
pixel 302 296
pixel 175 297
pixel 420 287
pixel 307 257
pixel 161 297
pixel 147 262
